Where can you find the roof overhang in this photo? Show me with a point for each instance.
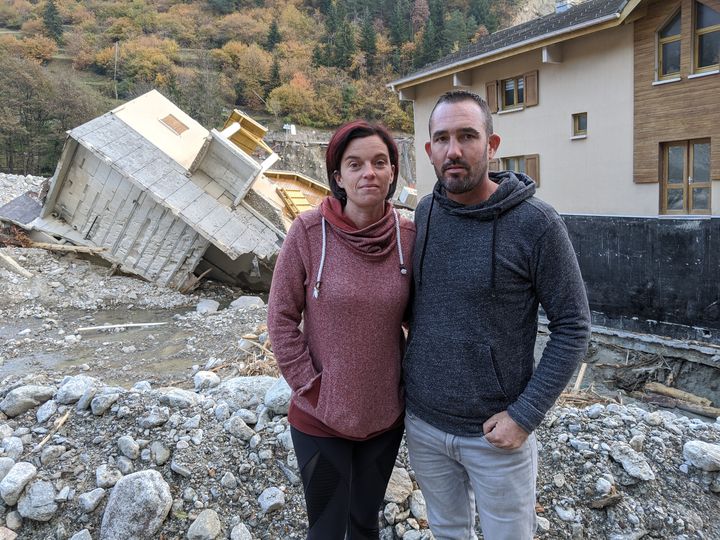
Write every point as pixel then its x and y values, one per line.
pixel 537 42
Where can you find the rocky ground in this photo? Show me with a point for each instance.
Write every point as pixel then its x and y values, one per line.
pixel 179 430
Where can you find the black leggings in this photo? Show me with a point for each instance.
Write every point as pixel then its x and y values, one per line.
pixel 345 482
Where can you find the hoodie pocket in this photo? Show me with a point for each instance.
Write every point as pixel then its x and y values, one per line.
pixel 460 378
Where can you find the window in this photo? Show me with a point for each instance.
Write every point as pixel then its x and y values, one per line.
pixel 686 177
pixel 513 93
pixel 579 124
pixel 669 48
pixel 529 165
pixel 174 124
pixel 707 38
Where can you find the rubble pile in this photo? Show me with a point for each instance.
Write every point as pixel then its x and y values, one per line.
pixel 82 459
pixel 14 185
pixel 179 429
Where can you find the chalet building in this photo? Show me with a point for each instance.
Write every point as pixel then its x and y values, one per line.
pixel 613 107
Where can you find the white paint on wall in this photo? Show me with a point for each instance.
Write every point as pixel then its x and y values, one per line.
pixel 583 176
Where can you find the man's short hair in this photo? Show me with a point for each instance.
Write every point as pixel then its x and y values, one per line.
pixel 456 96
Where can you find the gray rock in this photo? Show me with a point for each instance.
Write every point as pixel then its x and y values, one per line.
pixel 124 465
pixel 100 404
pixel 81 535
pixel 106 476
pixel 240 532
pixel 13 520
pixel 246 302
pixel 243 392
pixel 13 447
pixel 205 379
pixel 142 386
pixel 180 469
pixel 89 501
pixel 399 487
pixel 128 447
pixel 277 398
pixel 285 440
pixel 178 398
pixel 207 305
pixel 157 416
pixel 50 454
pixel 24 398
pixel 633 463
pixel 85 400
pixel 228 480
pixel 160 453
pixel 595 410
pixel 74 387
pixel 15 481
pixel 46 411
pixel 205 527
pixel 565 514
pixel 236 427
pixel 543 524
pixel 6 464
pixel 7 534
pixel 418 508
pixel 391 512
pixel 271 499
pixel 703 455
pixel 137 507
pixel 38 501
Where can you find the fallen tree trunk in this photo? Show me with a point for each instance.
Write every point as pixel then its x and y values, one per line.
pixel 13 266
pixel 66 248
pixel 676 393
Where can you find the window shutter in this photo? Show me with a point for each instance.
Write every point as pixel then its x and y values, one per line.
pixel 532 166
pixel 491 95
pixel 531 88
pixel 494 165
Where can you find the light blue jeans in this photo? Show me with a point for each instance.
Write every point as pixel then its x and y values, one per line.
pixel 458 474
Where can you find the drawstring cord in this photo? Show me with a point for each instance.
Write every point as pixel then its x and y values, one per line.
pixel 403 270
pixel 318 280
pixel 316 289
pixel 425 238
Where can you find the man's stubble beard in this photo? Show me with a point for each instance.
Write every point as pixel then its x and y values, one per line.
pixel 458 186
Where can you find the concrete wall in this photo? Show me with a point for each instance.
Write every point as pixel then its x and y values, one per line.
pixel 587 176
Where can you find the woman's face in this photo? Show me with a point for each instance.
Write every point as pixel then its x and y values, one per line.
pixel 365 173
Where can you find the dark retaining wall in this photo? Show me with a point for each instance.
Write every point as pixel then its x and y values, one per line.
pixel 653 275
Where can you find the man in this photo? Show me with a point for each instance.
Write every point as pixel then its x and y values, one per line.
pixel 487 254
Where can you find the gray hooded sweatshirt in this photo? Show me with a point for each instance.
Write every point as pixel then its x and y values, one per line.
pixel 480 273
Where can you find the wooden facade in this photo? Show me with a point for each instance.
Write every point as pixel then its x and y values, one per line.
pixel 673 110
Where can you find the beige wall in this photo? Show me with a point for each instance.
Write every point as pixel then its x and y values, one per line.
pixel 590 176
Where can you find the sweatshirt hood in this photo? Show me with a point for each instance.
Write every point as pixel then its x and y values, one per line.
pixel 513 188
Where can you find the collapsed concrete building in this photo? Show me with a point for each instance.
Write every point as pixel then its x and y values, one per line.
pixel 162 197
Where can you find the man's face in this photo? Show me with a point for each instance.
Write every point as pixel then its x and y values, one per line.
pixel 459 147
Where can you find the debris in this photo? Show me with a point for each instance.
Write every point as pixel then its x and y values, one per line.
pixel 676 393
pixel 11 264
pixel 114 326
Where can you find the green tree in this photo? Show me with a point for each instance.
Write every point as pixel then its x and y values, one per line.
pixel 344 48
pixel 274 79
pixel 273 37
pixel 484 14
pixel 368 44
pixel 427 50
pixel 400 23
pixel 52 21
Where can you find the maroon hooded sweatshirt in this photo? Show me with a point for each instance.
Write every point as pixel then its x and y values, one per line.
pixel 344 364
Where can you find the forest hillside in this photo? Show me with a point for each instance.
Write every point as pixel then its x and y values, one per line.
pixel 311 62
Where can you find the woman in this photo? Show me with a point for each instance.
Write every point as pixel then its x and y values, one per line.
pixel 343 272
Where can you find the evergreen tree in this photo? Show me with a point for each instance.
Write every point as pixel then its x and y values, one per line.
pixel 52 21
pixel 400 23
pixel 368 44
pixel 223 7
pixel 344 46
pixel 483 13
pixel 273 37
pixel 437 16
pixel 274 81
pixel 427 50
